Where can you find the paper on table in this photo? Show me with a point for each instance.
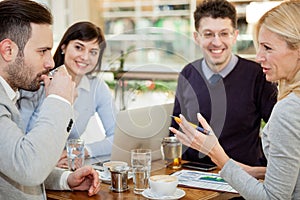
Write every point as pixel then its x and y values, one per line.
pixel 203 180
pixel 94 130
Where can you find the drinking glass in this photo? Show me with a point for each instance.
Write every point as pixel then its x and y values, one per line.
pixel 75 153
pixel 141 167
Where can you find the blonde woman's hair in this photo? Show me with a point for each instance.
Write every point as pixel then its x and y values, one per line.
pixel 284 21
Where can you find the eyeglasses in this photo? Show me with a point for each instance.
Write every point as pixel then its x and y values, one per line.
pixel 209 35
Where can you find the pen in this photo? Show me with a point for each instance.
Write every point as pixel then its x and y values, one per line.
pixel 51 73
pixel 202 130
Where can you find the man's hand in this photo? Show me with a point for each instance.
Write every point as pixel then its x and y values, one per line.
pixel 61 84
pixel 85 178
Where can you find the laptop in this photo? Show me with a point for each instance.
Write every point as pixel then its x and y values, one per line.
pixel 141 128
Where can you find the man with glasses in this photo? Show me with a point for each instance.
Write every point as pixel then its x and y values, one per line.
pixel 229 91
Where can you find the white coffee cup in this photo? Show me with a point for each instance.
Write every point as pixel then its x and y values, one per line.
pixel 163 185
pixel 111 164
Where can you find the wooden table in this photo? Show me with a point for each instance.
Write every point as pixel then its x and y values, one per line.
pixel 106 194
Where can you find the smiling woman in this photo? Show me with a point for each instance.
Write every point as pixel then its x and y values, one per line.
pixel 80 51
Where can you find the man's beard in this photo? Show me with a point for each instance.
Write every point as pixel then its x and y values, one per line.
pixel 19 76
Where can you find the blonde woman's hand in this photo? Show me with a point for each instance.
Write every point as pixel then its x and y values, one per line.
pixel 207 144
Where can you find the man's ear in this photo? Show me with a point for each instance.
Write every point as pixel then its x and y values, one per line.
pixel 196 37
pixel 7 49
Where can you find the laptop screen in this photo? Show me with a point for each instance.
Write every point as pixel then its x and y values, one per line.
pixel 141 128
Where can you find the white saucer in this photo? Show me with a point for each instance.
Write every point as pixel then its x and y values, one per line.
pixel 107 178
pixel 104 177
pixel 177 195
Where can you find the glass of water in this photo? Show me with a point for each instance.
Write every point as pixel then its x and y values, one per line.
pixel 141 167
pixel 75 153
